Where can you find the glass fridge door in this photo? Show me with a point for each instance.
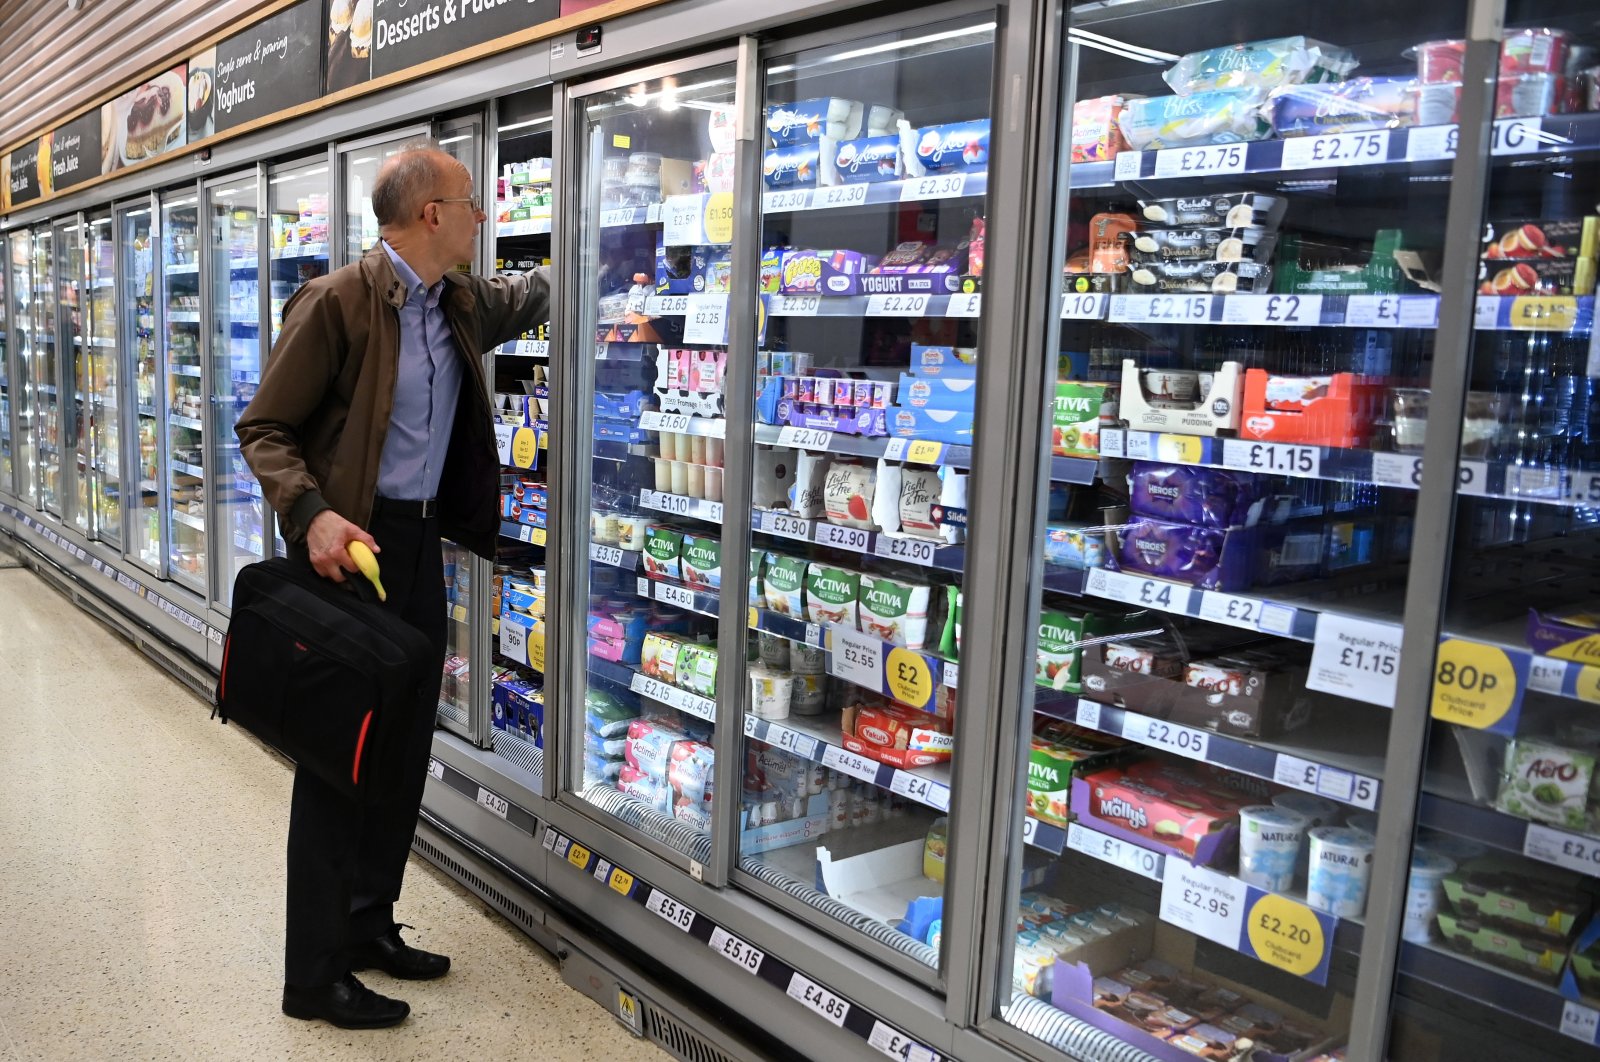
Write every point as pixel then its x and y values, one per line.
pixel 297 214
pixel 359 169
pixel 7 344
pixel 240 515
pixel 136 297
pixel 522 384
pixel 102 380
pixel 184 397
pixel 46 366
pixel 1222 519
pixel 647 753
pixel 1498 917
pixel 875 166
pixel 25 361
pixel 70 272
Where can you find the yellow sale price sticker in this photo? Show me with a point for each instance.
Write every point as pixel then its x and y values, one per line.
pixel 578 856
pixel 924 452
pixel 621 881
pixel 1551 313
pixel 1474 685
pixel 909 678
pixel 1587 686
pixel 1287 934
pixel 719 217
pixel 536 650
pixel 524 447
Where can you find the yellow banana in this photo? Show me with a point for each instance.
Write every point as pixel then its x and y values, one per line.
pixel 362 555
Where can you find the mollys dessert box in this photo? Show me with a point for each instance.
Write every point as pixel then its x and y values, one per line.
pixel 1194 823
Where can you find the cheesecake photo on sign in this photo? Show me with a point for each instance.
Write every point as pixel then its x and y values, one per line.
pixel 150 119
pixel 349 43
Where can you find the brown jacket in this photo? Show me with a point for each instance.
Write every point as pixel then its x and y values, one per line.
pixel 313 435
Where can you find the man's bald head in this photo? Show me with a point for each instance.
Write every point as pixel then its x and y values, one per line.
pixel 409 179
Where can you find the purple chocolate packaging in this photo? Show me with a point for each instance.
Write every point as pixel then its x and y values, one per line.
pixel 794 166
pixel 1200 497
pixel 870 159
pixel 1171 551
pixel 806 272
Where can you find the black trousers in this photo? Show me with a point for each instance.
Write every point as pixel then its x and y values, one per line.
pixel 346 861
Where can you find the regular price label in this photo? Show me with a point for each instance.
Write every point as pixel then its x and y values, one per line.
pixel 1580 1022
pixel 514 641
pixel 1289 935
pixel 669 910
pixel 1562 849
pixel 897 305
pixel 840 195
pixel 496 805
pixel 1178 740
pixel 911 787
pixel 1082 306
pixel 1117 852
pixel 854 539
pixel 805 438
pixel 1338 149
pixel 1177 309
pixel 968 305
pixel 1477 686
pixel 436 770
pixel 1233 611
pixel 910 550
pixel 742 954
pixel 890 1041
pixel 503 434
pixel 1430 143
pixel 1282 459
pixel 940 186
pixel 681 220
pixel 833 1007
pixel 1518 136
pixel 1355 658
pixel 706 319
pixel 846 762
pixel 1397 470
pixel 1284 310
pixel 857 658
pixel 1205 903
pixel 1201 161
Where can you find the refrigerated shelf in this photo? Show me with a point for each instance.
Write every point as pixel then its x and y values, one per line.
pixel 810 740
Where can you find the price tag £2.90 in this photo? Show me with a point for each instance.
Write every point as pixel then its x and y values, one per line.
pixel 1355 658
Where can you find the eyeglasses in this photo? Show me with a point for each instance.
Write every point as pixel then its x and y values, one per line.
pixel 472 200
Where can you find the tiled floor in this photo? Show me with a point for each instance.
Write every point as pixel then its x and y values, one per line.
pixel 141 883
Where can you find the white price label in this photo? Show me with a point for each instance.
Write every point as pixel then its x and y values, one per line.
pixel 1178 740
pixel 1127 166
pixel 736 951
pixel 1088 713
pixel 492 803
pixel 857 658
pixel 939 186
pixel 788 199
pixel 1201 161
pixel 1278 619
pixel 895 1044
pixel 1355 658
pixel 1518 136
pixel 1562 849
pixel 1429 143
pixel 814 636
pixel 786 525
pixel 1472 477
pixel 805 438
pixel 911 550
pixel 1546 675
pixel 1321 780
pixel 514 642
pixel 706 319
pixel 1113 442
pixel 791 741
pixel 1117 852
pixel 602 871
pixel 839 195
pixel 611 555
pixel 1337 149
pixel 550 837
pixel 969 305
pixel 1486 312
pixel 751 725
pixel 1030 829
pixel 436 769
pixel 1141 309
pixel 808 992
pixel 795 305
pixel 1233 611
pixel 951 675
pixel 1206 903
pixel 897 305
pixel 1397 470
pixel 610 219
pixel 669 909
pixel 676 504
pixel 1283 310
pixel 503 434
pixel 1133 590
pixel 939 796
pixel 525 532
pixel 845 762
pixel 682 220
pixel 1580 1022
pixel 911 787
pixel 1281 458
pixel 677 596
pixel 674 422
pixel 1372 311
pixel 563 846
pixel 895 449
pixel 1082 306
pixel 1419 311
pixel 666 305
pixel 854 539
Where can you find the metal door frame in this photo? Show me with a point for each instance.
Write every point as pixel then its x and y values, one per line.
pixel 120 212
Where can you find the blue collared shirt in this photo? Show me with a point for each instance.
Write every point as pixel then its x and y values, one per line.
pixel 425 392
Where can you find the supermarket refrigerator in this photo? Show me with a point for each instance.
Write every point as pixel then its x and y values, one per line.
pixel 138 291
pixel 180 396
pixel 72 475
pixel 8 486
pixel 100 376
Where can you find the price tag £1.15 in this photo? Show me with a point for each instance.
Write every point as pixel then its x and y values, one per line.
pixel 1355 658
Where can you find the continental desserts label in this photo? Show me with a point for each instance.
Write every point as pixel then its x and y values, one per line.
pixel 24 183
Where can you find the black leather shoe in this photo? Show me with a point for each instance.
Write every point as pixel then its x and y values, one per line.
pixel 347 1003
pixel 398 959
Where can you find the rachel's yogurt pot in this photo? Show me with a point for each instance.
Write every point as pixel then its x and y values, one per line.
pixel 1341 867
pixel 770 693
pixel 1270 839
pixel 1423 889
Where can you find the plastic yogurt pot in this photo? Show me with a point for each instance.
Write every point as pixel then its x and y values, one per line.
pixel 1364 822
pixel 1341 868
pixel 1318 811
pixel 1270 839
pixel 1423 889
pixel 770 693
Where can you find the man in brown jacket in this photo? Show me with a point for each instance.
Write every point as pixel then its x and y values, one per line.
pixel 372 424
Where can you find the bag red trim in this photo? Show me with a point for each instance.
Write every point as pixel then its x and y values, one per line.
pixel 222 686
pixel 361 741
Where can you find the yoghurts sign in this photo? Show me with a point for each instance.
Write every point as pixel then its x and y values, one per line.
pixel 75 151
pixel 269 67
pixel 145 123
pixel 24 181
pixel 408 32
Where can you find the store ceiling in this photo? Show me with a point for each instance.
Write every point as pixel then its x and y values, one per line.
pixel 54 60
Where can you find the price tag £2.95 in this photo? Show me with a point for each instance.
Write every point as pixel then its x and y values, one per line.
pixel 1206 903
